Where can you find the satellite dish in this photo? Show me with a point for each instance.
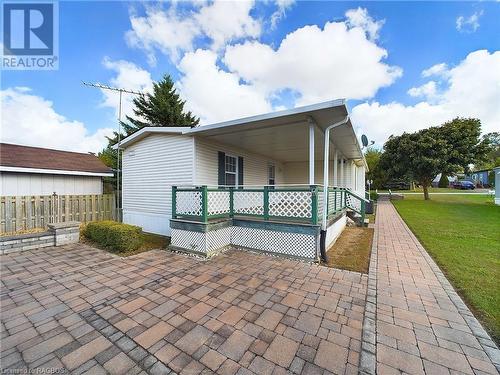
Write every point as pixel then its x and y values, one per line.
pixel 364 140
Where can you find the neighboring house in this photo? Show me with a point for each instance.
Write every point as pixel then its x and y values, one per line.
pixel 435 182
pixel 261 177
pixel 40 171
pixel 480 178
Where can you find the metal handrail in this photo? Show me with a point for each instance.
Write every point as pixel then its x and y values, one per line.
pixel 362 210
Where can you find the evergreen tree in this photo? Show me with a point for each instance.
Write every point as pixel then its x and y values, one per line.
pixel 443 181
pixel 163 107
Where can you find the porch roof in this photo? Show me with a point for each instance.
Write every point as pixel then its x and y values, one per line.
pixel 281 135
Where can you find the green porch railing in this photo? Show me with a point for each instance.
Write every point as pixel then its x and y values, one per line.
pixel 296 204
pixel 335 201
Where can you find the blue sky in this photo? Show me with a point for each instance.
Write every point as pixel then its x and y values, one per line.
pixel 265 56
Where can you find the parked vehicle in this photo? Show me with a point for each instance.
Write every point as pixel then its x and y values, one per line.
pixel 464 185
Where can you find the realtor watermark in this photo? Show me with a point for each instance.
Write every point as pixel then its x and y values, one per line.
pixel 30 35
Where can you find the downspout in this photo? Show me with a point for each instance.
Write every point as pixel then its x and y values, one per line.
pixel 322 238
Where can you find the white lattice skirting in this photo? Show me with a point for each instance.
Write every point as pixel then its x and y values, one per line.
pixel 292 240
pixel 292 244
pixel 201 242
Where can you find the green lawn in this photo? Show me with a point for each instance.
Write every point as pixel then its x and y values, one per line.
pixel 437 190
pixel 462 234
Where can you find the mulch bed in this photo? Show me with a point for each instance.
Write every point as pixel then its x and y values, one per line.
pixel 352 250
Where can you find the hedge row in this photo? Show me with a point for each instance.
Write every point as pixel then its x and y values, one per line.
pixel 113 235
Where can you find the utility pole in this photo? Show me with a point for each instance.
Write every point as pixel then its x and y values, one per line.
pixel 120 91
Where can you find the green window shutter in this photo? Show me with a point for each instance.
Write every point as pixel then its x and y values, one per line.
pixel 240 171
pixel 222 168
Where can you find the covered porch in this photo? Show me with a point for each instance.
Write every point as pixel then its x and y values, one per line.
pixel 285 148
pixel 285 182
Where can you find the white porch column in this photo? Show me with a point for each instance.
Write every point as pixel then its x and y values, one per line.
pixel 311 154
pixel 335 168
pixel 342 182
pixel 353 176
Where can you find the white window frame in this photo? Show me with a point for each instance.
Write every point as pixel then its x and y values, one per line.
pixel 269 166
pixel 236 182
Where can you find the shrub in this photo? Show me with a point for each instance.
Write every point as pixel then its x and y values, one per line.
pixel 443 181
pixel 113 235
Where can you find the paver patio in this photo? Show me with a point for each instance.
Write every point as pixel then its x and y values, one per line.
pixel 83 310
pixel 422 325
pixel 86 311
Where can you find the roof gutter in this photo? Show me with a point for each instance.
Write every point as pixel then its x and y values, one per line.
pixel 55 171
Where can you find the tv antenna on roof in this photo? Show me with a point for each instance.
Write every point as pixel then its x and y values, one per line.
pixel 120 91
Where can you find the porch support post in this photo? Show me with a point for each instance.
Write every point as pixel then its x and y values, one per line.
pixel 174 202
pixel 353 176
pixel 311 153
pixel 335 168
pixel 342 182
pixel 204 204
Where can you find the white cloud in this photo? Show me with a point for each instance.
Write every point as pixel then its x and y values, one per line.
pixel 283 6
pixel 338 61
pixel 165 30
pixel 216 95
pixel 128 76
pixel 472 89
pixel 469 24
pixel 223 21
pixel 435 70
pixel 315 64
pixel 173 31
pixel 427 90
pixel 31 120
pixel 360 18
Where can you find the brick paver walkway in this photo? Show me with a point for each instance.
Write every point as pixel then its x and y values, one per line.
pixel 422 325
pixel 86 311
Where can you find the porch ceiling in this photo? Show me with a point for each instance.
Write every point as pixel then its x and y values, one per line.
pixel 284 135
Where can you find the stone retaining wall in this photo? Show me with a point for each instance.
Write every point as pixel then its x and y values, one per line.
pixel 57 235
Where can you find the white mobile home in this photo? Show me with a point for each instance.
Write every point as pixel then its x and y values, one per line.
pixel 254 176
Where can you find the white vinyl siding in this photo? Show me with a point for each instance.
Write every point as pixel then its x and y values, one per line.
pixel 150 168
pixel 13 184
pixel 361 180
pixel 255 167
pixel 298 173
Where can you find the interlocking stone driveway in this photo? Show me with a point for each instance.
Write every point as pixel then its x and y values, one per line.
pixel 86 311
pixel 422 325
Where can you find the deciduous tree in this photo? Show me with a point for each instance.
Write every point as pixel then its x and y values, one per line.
pixel 446 149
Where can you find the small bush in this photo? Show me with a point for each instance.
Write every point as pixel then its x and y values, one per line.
pixel 113 235
pixel 443 181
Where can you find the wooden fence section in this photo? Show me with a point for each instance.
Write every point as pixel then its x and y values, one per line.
pixel 28 212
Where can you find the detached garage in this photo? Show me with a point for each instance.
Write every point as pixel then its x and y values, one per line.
pixel 40 171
